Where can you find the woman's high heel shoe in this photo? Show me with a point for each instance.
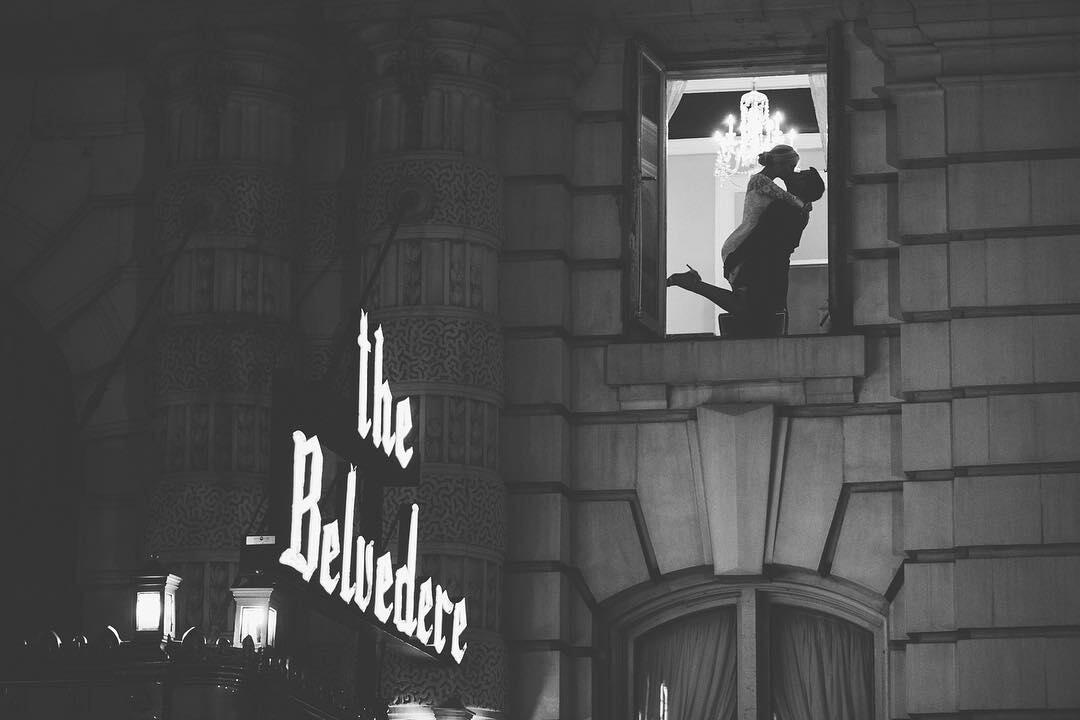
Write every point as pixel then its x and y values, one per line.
pixel 684 278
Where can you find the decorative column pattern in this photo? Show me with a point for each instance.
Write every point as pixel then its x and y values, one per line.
pixel 428 126
pixel 228 108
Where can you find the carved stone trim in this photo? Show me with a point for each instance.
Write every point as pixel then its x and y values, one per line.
pixel 240 199
pixel 480 681
pixel 202 515
pixel 204 598
pixel 458 431
pixel 466 193
pixel 444 350
pixel 229 280
pixel 412 65
pixel 319 226
pixel 465 509
pixel 213 437
pixel 435 272
pixel 462 47
pixel 232 357
pixel 478 580
pixel 235 59
pixel 315 358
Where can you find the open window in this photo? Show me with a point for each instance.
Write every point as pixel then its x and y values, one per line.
pixel 686 170
pixel 645 208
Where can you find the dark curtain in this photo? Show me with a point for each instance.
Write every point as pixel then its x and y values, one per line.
pixel 822 667
pixel 694 660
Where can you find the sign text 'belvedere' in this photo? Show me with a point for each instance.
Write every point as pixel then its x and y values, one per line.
pixel 419 611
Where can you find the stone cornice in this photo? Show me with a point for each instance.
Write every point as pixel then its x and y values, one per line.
pixel 707 362
pixel 500 15
pixel 460 39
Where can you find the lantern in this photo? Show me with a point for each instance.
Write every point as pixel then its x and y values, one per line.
pixel 258 611
pixel 155 603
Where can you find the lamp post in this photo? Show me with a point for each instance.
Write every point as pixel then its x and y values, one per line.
pixel 155 603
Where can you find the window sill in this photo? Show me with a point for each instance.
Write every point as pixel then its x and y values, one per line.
pixel 807 369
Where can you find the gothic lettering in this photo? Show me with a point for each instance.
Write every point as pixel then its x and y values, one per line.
pixel 413 609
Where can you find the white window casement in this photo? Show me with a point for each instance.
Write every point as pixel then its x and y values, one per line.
pixel 675 212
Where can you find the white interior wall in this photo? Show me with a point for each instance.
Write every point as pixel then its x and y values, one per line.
pixel 701 214
pixel 692 225
pixel 815 240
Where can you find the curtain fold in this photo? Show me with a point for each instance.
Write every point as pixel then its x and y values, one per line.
pixel 685 670
pixel 822 667
pixel 675 90
pixel 819 93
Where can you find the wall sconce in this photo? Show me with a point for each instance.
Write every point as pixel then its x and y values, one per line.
pixel 258 607
pixel 155 603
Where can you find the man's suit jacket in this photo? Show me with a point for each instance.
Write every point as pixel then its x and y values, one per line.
pixel 777 234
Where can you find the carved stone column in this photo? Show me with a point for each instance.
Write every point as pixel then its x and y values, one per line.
pixel 428 125
pixel 227 108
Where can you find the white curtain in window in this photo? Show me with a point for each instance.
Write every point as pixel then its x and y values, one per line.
pixel 685 670
pixel 675 90
pixel 819 93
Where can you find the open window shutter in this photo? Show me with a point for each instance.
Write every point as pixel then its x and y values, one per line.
pixel 644 217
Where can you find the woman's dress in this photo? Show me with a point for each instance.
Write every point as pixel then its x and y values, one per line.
pixel 760 191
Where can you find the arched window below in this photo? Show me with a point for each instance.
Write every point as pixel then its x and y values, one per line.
pixel 778 650
pixel 686 668
pixel 819 666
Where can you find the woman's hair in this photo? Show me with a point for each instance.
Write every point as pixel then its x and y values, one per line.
pixel 778 154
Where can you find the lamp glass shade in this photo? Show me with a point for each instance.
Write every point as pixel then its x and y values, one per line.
pixel 256 616
pixel 170 615
pixel 147 611
pixel 253 623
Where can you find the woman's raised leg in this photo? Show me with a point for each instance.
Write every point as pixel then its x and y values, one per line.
pixel 691 280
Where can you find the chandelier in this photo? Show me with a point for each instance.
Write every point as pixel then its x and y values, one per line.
pixel 738 149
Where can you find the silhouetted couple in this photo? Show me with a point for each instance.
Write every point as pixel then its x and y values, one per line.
pixel 757 253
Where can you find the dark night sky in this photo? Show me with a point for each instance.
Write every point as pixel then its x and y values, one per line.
pixel 699 114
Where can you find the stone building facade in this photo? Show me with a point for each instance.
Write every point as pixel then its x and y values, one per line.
pixel 190 200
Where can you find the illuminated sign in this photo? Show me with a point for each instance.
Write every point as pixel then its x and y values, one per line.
pixel 392 593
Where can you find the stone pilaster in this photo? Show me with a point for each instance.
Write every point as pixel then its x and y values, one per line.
pixel 227 109
pixel 427 124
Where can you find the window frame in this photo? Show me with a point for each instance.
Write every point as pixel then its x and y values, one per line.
pixel 641 319
pixel 634 613
pixel 637 321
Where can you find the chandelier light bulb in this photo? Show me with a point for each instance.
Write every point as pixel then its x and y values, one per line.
pixel 758 131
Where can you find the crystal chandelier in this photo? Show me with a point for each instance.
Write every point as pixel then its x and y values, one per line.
pixel 738 149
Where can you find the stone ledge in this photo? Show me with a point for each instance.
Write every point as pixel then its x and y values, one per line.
pixel 717 361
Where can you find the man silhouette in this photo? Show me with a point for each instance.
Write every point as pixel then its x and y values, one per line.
pixel 758 268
